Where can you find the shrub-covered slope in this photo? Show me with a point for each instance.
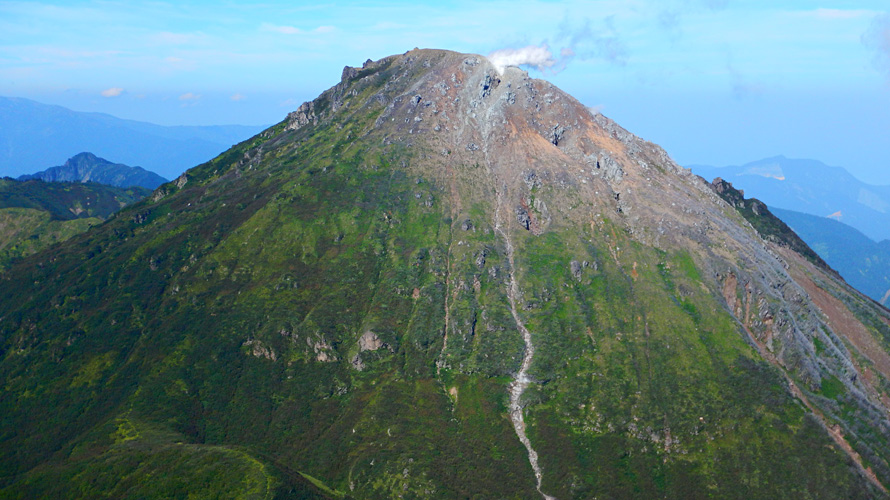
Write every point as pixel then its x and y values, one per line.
pixel 34 214
pixel 436 280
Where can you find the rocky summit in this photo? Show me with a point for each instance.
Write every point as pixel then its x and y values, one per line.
pixel 438 280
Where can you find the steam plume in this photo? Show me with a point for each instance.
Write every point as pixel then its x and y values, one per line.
pixel 539 58
pixel 578 40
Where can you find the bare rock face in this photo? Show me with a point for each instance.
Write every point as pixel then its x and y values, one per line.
pixel 304 115
pixel 369 341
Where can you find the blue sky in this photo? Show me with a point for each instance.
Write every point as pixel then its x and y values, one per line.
pixel 713 81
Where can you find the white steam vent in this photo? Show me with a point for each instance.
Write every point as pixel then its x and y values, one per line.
pixel 539 58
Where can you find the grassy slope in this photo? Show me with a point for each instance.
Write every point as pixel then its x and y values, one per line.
pixel 24 231
pixel 647 381
pixel 68 200
pixel 35 215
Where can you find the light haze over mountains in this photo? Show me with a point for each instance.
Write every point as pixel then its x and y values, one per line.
pixel 812 187
pixel 35 136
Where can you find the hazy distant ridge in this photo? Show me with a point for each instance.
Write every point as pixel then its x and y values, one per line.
pixel 34 135
pixel 811 187
pixel 87 167
pixel 862 262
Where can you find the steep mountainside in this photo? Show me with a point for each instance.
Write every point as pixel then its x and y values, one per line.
pixel 862 262
pixel 87 167
pixel 769 226
pixel 436 280
pixel 811 187
pixel 34 135
pixel 36 214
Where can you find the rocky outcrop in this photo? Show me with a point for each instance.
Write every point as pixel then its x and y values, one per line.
pixel 304 115
pixel 369 341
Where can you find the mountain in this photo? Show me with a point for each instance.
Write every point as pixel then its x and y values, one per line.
pixel 769 226
pixel 811 187
pixel 87 167
pixel 862 262
pixel 439 281
pixel 34 135
pixel 35 215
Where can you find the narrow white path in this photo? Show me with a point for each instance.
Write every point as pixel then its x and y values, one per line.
pixel 521 380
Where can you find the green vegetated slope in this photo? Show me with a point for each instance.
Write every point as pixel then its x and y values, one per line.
pixel 319 313
pixel 649 391
pixel 24 231
pixel 68 200
pixel 35 215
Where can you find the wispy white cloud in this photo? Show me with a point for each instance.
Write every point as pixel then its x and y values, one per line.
pixel 112 92
pixel 237 97
pixel 169 38
pixel 739 84
pixel 189 96
pixel 284 30
pixel 388 25
pixel 823 13
pixel 670 13
pixel 587 41
pixel 293 30
pixel 877 38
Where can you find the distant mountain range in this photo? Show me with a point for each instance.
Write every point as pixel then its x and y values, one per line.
pixel 34 135
pixel 862 262
pixel 87 167
pixel 811 187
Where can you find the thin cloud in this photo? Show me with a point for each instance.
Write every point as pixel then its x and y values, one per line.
pixel 585 41
pixel 823 13
pixel 877 38
pixel 740 86
pixel 670 17
pixel 170 38
pixel 112 92
pixel 284 30
pixel 189 96
pixel 388 25
pixel 293 30
pixel 237 97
